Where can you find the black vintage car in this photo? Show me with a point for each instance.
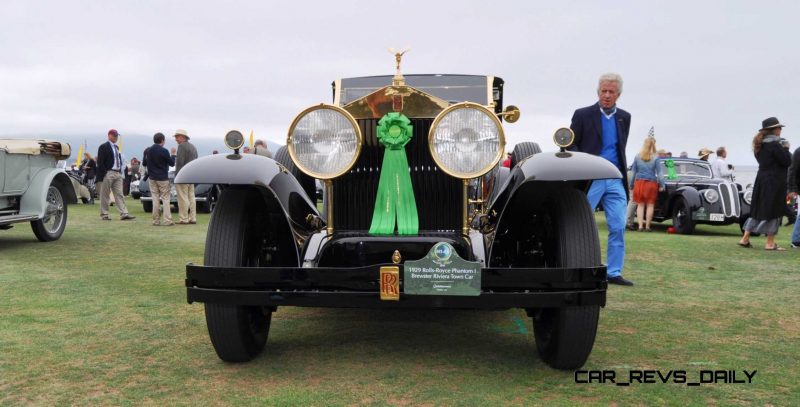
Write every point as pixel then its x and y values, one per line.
pixel 693 195
pixel 205 195
pixel 483 237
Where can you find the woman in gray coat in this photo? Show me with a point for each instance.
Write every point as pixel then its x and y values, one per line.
pixel 769 190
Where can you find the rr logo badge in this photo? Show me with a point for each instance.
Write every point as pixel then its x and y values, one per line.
pixel 390 283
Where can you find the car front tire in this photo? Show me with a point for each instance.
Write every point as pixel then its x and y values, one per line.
pixel 238 333
pixel 682 217
pixel 52 225
pixel 565 336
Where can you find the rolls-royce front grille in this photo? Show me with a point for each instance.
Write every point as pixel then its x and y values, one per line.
pixel 438 195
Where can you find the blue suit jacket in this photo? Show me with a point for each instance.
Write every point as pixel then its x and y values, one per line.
pixel 588 130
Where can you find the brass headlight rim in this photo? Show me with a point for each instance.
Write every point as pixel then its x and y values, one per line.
pixel 353 122
pixel 571 139
pixel 225 139
pixel 501 136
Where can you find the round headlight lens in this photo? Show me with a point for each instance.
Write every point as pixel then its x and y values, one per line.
pixel 466 140
pixel 324 141
pixel 711 195
pixel 234 139
pixel 564 137
pixel 748 195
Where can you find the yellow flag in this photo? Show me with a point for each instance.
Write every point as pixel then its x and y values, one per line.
pixel 251 138
pixel 80 156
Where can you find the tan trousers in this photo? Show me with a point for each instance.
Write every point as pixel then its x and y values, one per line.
pixel 112 184
pixel 159 191
pixel 187 206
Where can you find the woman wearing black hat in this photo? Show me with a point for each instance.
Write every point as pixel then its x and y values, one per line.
pixel 769 191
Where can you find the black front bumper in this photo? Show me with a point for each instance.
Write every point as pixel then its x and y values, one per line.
pixel 359 288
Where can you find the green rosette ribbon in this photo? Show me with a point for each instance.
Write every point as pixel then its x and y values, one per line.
pixel 671 175
pixel 395 200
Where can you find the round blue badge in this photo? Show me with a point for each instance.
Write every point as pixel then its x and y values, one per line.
pixel 442 251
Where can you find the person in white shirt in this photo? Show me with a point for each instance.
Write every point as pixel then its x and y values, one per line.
pixel 721 168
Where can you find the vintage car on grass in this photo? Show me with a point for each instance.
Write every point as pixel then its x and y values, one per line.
pixel 33 189
pixel 83 190
pixel 417 214
pixel 693 195
pixel 205 195
pixel 135 194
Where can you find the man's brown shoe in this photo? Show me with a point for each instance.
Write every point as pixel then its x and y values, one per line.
pixel 127 217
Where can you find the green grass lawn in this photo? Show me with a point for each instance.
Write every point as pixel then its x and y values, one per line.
pixel 100 317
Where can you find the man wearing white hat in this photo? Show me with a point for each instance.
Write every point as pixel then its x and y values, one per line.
pixel 187 207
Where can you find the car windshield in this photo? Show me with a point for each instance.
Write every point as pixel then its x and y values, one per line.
pixel 686 168
pixel 452 88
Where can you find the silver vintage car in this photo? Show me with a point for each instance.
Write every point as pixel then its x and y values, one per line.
pixel 32 188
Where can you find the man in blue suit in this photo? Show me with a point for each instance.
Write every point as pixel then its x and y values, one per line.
pixel 110 166
pixel 602 129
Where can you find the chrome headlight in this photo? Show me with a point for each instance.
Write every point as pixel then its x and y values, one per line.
pixel 466 140
pixel 324 141
pixel 748 195
pixel 711 195
pixel 234 139
pixel 564 137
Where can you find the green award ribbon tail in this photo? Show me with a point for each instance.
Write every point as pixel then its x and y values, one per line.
pixel 395 198
pixel 407 219
pixel 670 164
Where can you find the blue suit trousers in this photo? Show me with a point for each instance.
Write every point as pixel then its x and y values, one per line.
pixel 612 193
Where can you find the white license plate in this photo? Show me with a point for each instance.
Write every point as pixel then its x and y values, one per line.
pixel 717 217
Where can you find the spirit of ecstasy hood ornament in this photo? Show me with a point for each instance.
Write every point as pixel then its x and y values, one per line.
pixel 398 79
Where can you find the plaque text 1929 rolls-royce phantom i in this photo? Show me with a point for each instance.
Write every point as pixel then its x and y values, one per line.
pixel 416 213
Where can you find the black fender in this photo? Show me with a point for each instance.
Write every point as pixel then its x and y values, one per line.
pixel 494 181
pixel 745 209
pixel 743 205
pixel 203 189
pixel 690 194
pixel 572 169
pixel 262 173
pixel 531 182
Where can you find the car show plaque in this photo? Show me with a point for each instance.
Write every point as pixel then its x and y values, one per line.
pixel 442 272
pixel 700 214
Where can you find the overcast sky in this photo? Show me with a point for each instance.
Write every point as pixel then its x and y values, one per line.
pixel 703 73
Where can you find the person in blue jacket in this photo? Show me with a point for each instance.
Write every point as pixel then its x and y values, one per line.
pixel 602 129
pixel 158 160
pixel 646 184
